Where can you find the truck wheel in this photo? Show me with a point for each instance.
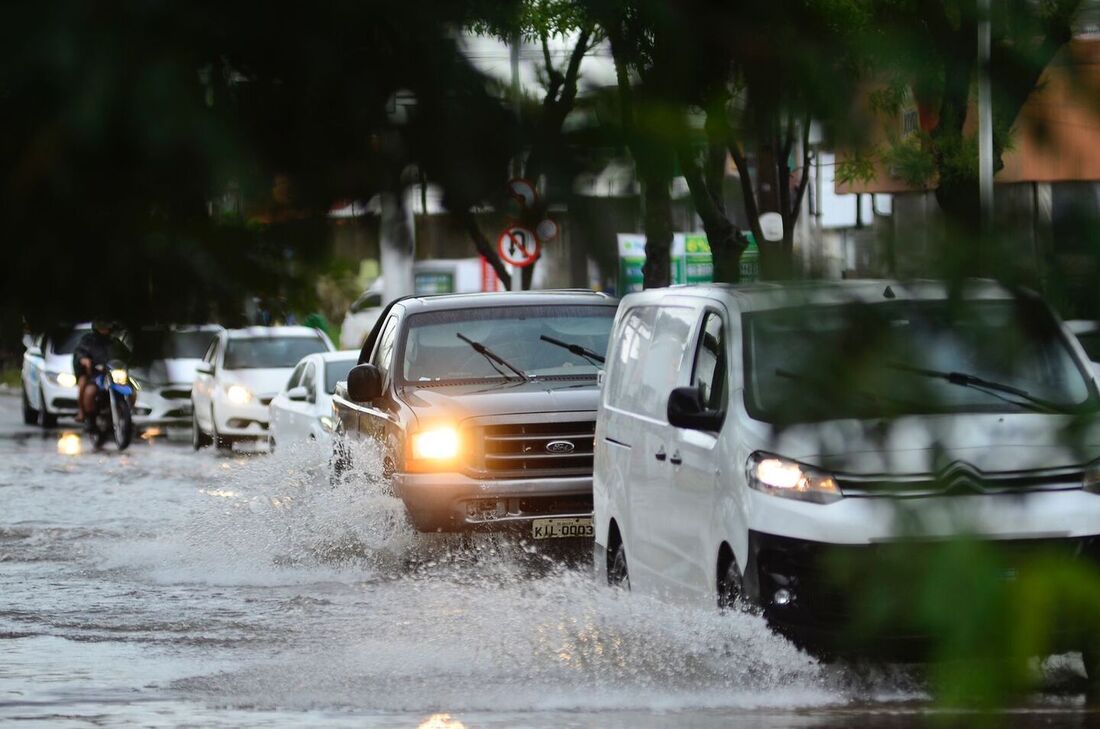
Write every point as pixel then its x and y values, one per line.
pixel 47 419
pixel 30 415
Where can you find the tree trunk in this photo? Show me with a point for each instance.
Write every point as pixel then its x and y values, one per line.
pixel 658 234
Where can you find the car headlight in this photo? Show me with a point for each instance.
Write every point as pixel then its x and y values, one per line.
pixel 437 444
pixel 783 477
pixel 62 379
pixel 119 377
pixel 327 423
pixel 238 394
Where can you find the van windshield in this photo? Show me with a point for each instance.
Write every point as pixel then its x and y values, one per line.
pixel 896 358
pixel 434 351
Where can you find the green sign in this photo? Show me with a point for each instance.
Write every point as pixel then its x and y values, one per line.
pixel 691 260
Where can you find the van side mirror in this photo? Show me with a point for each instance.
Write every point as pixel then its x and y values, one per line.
pixel 686 409
pixel 31 345
pixel 364 383
pixel 204 368
pixel 297 394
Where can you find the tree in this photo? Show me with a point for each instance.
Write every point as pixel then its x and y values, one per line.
pixel 543 148
pixel 122 131
pixel 929 51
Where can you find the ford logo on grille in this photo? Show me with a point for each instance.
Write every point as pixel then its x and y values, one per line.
pixel 560 446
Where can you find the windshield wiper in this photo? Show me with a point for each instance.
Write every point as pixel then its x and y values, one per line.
pixel 576 349
pixel 493 357
pixel 989 387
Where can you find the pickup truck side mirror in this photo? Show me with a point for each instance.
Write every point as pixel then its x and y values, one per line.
pixel 686 409
pixel 297 394
pixel 204 368
pixel 364 383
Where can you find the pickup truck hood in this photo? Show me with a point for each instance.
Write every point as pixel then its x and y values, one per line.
pixel 502 398
pixel 991 443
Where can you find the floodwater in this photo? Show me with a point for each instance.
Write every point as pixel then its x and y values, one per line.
pixel 161 587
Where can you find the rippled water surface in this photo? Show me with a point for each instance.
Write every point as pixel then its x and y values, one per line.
pixel 166 588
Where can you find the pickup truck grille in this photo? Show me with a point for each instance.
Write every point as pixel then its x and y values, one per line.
pixel 539 449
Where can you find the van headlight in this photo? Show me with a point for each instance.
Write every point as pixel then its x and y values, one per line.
pixel 783 477
pixel 436 444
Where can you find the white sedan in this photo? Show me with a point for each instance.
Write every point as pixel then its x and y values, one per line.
pixel 240 375
pixel 49 385
pixel 303 409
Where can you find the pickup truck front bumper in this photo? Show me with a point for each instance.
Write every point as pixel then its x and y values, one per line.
pixel 454 502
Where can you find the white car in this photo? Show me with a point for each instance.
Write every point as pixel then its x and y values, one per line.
pixel 239 376
pixel 729 461
pixel 163 367
pixel 303 408
pixel 361 317
pixel 49 385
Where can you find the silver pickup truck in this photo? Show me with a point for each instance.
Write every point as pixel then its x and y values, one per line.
pixel 484 408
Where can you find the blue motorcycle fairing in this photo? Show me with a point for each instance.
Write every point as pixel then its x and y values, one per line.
pixel 124 390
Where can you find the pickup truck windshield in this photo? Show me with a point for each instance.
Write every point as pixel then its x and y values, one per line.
pixel 907 357
pixel 269 352
pixel 433 351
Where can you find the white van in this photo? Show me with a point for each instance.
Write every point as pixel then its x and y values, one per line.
pixel 744 430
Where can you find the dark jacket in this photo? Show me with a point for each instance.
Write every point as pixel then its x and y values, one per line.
pixel 100 348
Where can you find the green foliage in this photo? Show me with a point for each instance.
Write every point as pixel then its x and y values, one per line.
pixel 855 168
pixel 911 160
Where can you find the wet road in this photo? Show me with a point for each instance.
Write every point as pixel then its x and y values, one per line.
pixel 165 588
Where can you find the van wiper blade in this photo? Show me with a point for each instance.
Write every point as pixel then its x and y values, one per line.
pixel 996 389
pixel 576 349
pixel 493 357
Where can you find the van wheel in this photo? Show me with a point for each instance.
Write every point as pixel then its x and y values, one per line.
pixel 1090 656
pixel 30 415
pixel 730 590
pixel 617 573
pixel 199 439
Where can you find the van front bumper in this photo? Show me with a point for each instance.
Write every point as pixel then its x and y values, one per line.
pixel 454 502
pixel 863 598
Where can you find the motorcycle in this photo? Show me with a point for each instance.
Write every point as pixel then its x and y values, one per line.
pixel 112 406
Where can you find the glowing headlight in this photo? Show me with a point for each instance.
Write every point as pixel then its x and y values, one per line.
pixel 238 394
pixel 65 379
pixel 781 477
pixel 438 444
pixel 119 377
pixel 327 423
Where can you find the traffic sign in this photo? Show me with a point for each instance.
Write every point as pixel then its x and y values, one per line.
pixel 547 230
pixel 518 246
pixel 523 191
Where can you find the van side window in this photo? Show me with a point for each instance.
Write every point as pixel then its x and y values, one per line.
pixel 652 348
pixel 384 351
pixel 710 371
pixel 630 348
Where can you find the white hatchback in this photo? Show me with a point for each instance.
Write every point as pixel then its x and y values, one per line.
pixel 240 374
pixel 744 432
pixel 303 408
pixel 49 385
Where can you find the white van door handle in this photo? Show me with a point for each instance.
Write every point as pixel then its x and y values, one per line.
pixel 676 460
pixel 661 455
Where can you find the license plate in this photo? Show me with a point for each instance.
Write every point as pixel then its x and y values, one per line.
pixel 562 528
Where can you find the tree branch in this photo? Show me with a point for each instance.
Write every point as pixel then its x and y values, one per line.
pixel 483 246
pixel 748 193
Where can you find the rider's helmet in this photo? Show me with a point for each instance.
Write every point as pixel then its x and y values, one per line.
pixel 103 326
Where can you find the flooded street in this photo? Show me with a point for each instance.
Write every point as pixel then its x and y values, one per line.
pixel 166 588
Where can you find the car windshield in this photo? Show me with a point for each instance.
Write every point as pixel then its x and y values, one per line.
pixel 154 344
pixel 64 341
pixel 335 372
pixel 894 358
pixel 269 352
pixel 434 351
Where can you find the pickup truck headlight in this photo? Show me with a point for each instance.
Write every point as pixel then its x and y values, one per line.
pixel 783 477
pixel 437 444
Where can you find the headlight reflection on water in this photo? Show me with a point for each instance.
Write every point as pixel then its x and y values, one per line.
pixel 69 444
pixel 441 721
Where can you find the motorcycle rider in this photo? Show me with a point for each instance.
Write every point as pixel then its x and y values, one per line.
pixel 94 348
